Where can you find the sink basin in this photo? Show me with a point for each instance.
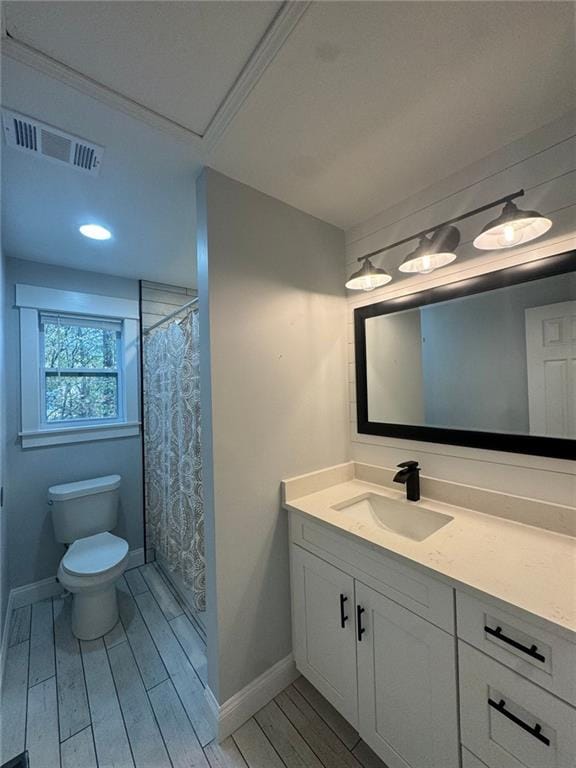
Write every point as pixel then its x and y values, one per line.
pixel 405 518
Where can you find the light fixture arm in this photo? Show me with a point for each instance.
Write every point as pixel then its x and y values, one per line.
pixel 424 232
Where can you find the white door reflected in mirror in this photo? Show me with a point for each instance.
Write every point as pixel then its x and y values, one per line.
pixel 551 360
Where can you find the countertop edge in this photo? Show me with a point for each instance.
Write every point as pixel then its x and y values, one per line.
pixel 568 632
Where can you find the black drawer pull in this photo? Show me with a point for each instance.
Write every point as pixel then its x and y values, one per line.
pixel 532 651
pixel 536 731
pixel 343 616
pixel 361 629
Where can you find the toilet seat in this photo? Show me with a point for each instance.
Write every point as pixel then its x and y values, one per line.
pixel 94 555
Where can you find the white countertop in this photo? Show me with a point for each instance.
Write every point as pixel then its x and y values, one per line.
pixel 527 567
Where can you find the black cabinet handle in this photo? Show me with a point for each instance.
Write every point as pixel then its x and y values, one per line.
pixel 343 616
pixel 532 651
pixel 536 731
pixel 361 630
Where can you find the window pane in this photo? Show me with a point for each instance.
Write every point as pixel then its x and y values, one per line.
pixel 75 346
pixel 71 397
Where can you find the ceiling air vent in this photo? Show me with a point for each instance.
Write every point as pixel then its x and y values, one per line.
pixel 34 137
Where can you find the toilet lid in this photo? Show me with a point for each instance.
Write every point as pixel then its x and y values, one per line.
pixel 94 554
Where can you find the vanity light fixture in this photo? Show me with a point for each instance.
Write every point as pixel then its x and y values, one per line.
pixel 438 244
pixel 432 252
pixel 368 277
pixel 512 227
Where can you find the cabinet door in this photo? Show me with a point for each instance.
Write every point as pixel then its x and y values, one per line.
pixel 324 639
pixel 407 685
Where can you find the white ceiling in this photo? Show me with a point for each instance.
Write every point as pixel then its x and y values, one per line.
pixel 179 59
pixel 363 105
pixel 368 103
pixel 145 192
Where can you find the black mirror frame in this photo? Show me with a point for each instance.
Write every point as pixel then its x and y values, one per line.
pixel 555 447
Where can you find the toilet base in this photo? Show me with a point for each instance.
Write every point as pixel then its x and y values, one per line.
pixel 94 613
pixel 94 600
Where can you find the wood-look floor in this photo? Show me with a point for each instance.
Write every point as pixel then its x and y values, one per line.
pixel 135 698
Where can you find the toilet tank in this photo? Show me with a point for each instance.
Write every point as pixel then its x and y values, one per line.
pixel 84 508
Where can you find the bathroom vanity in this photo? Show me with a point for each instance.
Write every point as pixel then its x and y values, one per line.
pixel 445 635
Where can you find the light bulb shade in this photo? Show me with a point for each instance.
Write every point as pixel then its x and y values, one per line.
pixel 368 277
pixel 432 253
pixel 512 227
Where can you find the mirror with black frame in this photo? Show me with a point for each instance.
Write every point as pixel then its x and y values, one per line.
pixel 487 362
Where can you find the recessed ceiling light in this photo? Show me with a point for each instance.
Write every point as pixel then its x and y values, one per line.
pixel 95 232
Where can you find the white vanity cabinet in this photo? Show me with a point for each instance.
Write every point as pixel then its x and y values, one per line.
pixel 388 670
pixel 517 688
pixel 509 722
pixel 324 630
pixel 377 637
pixel 406 685
pixel 523 643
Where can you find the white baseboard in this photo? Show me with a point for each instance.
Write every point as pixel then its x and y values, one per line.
pixel 5 636
pixel 228 717
pixel 33 593
pixel 40 590
pixel 214 711
pixel 135 558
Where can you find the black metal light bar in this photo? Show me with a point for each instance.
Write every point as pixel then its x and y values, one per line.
pixel 481 209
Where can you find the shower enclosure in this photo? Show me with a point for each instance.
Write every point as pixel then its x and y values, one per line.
pixel 172 458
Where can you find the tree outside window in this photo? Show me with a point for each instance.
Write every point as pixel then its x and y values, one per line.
pixel 80 368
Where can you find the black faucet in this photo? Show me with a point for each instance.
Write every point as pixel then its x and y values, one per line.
pixel 409 476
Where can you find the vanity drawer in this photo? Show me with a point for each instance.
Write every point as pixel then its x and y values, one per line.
pixel 508 721
pixel 404 584
pixel 531 650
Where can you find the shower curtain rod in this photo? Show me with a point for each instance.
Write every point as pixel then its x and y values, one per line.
pixel 171 315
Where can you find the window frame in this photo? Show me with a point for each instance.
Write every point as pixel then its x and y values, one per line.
pixel 33 301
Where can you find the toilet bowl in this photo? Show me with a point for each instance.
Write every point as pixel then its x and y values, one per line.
pixel 89 570
pixel 83 514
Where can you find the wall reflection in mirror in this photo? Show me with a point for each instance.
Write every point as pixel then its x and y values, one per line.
pixel 500 361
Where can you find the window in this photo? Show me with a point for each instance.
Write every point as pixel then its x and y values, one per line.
pixel 79 366
pixel 81 360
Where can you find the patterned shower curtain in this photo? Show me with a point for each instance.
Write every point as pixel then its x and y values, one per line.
pixel 174 498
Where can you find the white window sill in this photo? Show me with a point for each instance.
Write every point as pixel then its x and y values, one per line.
pixel 64 435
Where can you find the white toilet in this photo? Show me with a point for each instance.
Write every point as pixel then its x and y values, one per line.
pixel 83 514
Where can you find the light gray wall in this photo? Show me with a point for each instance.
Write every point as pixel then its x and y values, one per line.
pixel 34 554
pixel 272 311
pixel 3 474
pixel 474 356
